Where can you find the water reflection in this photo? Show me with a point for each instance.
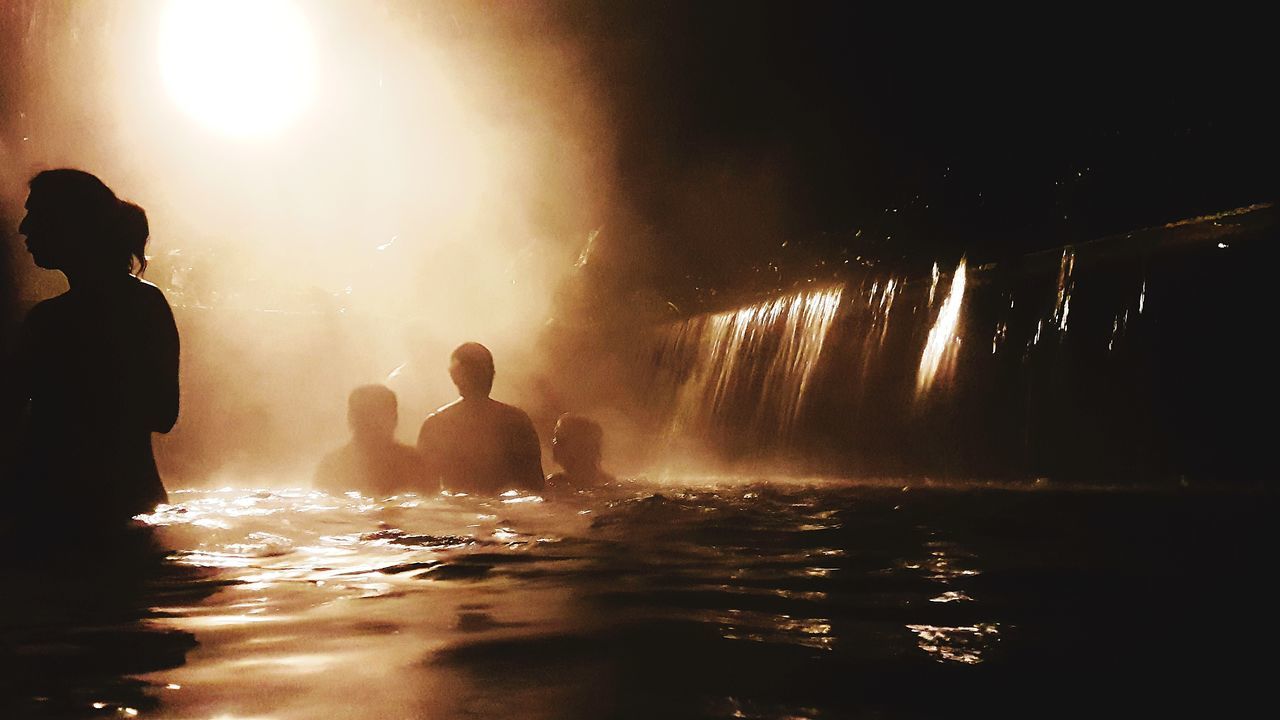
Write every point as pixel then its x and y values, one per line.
pixel 82 618
pixel 964 644
pixel 642 601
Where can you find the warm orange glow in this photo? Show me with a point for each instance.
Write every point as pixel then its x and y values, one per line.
pixel 940 349
pixel 240 67
pixel 729 344
pixel 1062 306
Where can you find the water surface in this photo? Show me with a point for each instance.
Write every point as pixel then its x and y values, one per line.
pixel 718 598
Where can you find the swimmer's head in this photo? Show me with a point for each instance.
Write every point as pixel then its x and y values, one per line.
pixel 577 443
pixel 75 223
pixel 471 367
pixel 372 413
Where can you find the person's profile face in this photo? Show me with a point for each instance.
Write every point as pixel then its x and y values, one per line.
pixel 47 239
pixel 559 448
pixel 570 449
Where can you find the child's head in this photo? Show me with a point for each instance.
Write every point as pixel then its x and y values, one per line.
pixel 372 412
pixel 576 445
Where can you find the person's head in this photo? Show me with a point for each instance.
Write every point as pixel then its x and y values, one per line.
pixel 577 443
pixel 371 413
pixel 75 222
pixel 471 367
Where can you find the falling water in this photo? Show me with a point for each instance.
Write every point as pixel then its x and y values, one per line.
pixel 1062 308
pixel 976 369
pixel 939 354
pixel 772 345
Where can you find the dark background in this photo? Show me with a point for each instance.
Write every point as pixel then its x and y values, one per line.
pixel 932 131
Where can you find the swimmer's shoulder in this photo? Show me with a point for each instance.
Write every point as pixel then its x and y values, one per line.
pixel 512 414
pixel 442 416
pixel 405 453
pixel 334 469
pixel 44 316
pixel 149 294
pixel 48 307
pixel 446 410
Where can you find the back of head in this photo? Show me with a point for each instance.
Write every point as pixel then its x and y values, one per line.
pixel 471 367
pixel 578 442
pixel 372 412
pixel 107 232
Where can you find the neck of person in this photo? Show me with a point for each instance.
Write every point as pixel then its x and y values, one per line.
pixel 88 280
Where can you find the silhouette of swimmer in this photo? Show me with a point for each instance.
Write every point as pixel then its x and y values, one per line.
pixel 96 367
pixel 476 444
pixel 577 447
pixel 373 461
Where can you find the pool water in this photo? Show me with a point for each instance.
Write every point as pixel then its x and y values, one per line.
pixel 704 598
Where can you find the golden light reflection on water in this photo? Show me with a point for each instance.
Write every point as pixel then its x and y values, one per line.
pixel 351 609
pixel 324 597
pixel 962 644
pixel 754 626
pixel 951 566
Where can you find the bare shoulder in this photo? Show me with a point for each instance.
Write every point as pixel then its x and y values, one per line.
pixel 150 295
pixel 513 414
pixel 444 412
pixel 442 416
pixel 43 313
pixel 49 306
pixel 328 475
pixel 448 408
pixel 405 453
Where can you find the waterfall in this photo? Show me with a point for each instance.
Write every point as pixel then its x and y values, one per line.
pixel 770 347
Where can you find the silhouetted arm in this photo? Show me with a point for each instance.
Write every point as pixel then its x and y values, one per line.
pixel 160 378
pixel 429 460
pixel 528 454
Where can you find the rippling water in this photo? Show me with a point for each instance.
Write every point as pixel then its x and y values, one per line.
pixel 715 599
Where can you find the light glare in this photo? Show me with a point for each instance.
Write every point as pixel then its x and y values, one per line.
pixel 239 67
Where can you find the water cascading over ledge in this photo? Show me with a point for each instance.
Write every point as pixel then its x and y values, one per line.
pixel 747 366
pixel 1128 358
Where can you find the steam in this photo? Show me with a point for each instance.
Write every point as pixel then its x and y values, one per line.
pixel 437 189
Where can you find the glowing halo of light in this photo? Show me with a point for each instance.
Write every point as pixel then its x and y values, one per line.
pixel 239 67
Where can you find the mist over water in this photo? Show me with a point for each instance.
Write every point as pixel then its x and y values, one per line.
pixel 432 182
pixel 767 351
pixel 447 173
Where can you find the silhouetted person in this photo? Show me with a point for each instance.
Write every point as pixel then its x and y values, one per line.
pixel 476 444
pixel 96 367
pixel 577 447
pixel 373 461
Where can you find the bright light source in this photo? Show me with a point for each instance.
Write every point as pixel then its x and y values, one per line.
pixel 240 67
